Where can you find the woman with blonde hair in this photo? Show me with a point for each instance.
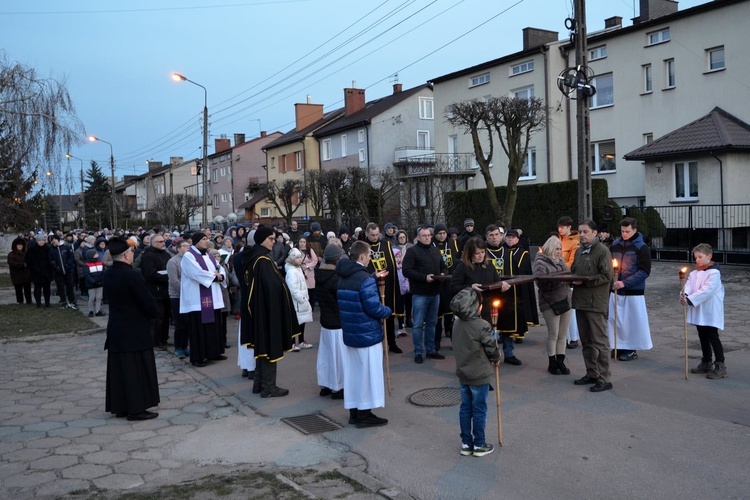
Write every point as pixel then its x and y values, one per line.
pixel 295 280
pixel 554 302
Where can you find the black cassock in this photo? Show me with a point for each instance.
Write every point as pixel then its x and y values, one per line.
pixel 132 384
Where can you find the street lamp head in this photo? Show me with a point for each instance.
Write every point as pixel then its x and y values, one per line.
pixel 68 155
pixel 178 77
pixel 93 138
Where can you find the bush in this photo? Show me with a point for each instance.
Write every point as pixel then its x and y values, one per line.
pixel 537 209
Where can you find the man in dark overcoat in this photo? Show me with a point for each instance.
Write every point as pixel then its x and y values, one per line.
pixel 132 384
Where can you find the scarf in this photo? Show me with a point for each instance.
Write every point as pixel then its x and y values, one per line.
pixel 703 268
pixel 207 300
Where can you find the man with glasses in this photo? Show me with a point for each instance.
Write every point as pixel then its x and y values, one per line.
pixel 421 264
pixel 154 261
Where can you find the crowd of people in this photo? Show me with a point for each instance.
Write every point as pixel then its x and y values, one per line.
pixel 369 288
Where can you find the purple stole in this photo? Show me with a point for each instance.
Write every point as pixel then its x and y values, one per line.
pixel 207 299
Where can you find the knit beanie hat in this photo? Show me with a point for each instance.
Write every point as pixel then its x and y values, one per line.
pixel 197 236
pixel 440 227
pixel 314 227
pixel 261 234
pixel 118 246
pixel 468 222
pixel 332 253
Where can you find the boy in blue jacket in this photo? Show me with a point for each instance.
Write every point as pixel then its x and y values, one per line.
pixel 361 319
pixel 93 270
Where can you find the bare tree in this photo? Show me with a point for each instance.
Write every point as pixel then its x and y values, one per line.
pixel 286 197
pixel 176 209
pixel 314 191
pixel 333 184
pixel 514 120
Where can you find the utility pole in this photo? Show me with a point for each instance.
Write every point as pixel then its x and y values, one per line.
pixel 204 216
pixel 83 202
pixel 585 210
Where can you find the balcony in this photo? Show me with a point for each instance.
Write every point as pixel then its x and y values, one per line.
pixel 420 162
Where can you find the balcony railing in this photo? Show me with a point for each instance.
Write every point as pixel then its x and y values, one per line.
pixel 418 162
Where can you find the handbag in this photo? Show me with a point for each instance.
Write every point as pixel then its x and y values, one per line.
pixel 560 307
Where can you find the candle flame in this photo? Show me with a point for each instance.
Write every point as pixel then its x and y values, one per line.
pixel 614 263
pixel 496 304
pixel 684 270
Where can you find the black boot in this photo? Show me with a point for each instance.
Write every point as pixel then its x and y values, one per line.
pixel 553 368
pixel 561 364
pixel 353 412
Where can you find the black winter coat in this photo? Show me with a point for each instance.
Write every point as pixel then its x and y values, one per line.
pixel 130 310
pixel 153 261
pixel 62 259
pixel 19 272
pixel 420 261
pixel 326 285
pixel 37 259
pixel 463 276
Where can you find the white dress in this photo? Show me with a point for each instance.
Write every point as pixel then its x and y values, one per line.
pixel 633 332
pixel 331 353
pixel 364 385
pixel 706 293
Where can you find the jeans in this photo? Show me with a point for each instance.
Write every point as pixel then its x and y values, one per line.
pixel 507 346
pixel 473 411
pixel 424 310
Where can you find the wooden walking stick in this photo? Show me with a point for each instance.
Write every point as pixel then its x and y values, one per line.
pixel 493 316
pixel 617 278
pixel 381 289
pixel 683 273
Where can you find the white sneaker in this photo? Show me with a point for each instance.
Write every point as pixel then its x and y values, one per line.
pixel 305 345
pixel 295 348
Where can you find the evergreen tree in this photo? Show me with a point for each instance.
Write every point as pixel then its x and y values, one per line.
pixel 98 193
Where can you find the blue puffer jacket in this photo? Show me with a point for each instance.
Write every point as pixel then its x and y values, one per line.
pixel 359 305
pixel 634 258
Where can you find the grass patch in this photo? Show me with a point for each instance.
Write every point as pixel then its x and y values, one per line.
pixel 24 320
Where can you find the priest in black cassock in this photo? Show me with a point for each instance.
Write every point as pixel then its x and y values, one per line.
pixel 270 322
pixel 382 259
pixel 132 385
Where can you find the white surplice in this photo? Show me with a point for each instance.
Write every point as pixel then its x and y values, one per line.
pixel 193 276
pixel 330 363
pixel 364 386
pixel 633 332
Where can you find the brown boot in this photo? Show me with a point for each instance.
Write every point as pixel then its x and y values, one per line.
pixel 720 371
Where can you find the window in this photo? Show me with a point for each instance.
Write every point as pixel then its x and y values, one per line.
pixel 648 138
pixel 716 59
pixel 224 197
pixel 426 108
pixel 265 212
pixel 598 53
pixel 273 162
pixel 214 160
pixel 161 189
pixel 656 37
pixel 648 86
pixel 300 160
pixel 523 67
pixel 282 164
pixel 343 145
pixel 475 81
pixel 216 201
pixel 419 194
pixel 528 171
pixel 686 180
pixel 360 136
pixel 223 171
pixel 423 139
pixel 669 79
pixel 361 155
pixel 523 93
pixel 216 175
pixel 326 149
pixel 603 157
pixel 605 91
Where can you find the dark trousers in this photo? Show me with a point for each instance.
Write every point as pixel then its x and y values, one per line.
pixel 265 375
pixel 592 327
pixel 82 286
pixel 709 337
pixel 39 287
pixel 444 323
pixel 390 330
pixel 65 287
pixel 160 324
pixel 311 297
pixel 24 289
pixel 180 325
pixel 301 337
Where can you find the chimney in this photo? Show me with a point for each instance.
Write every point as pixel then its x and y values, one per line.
pixel 239 139
pixel 306 114
pixel 153 165
pixel 652 9
pixel 354 99
pixel 536 37
pixel 222 144
pixel 263 133
pixel 613 22
pixel 397 87
pixel 175 160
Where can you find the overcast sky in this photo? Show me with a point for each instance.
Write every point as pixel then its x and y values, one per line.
pixel 255 57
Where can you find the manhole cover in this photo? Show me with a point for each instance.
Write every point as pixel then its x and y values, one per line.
pixel 312 424
pixel 441 396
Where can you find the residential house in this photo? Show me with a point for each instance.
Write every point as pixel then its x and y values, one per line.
pixel 291 154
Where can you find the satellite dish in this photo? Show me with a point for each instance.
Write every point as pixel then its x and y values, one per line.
pixel 219 219
pixel 575 82
pixel 232 217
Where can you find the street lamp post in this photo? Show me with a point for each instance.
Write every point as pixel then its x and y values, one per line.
pixel 83 193
pixel 93 138
pixel 180 78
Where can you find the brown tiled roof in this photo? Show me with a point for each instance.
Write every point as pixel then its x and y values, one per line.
pixel 257 197
pixel 716 131
pixel 295 135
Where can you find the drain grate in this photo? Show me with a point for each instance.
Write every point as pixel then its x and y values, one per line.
pixel 440 396
pixel 311 424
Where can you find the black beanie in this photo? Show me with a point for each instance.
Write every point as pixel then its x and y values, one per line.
pixel 261 234
pixel 118 246
pixel 197 236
